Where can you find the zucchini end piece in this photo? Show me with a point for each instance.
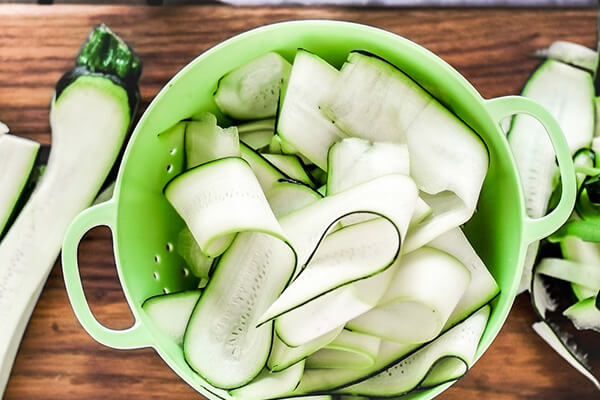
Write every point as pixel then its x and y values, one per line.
pixel 105 54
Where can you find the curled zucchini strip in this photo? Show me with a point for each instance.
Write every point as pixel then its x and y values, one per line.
pixel 332 310
pixel 352 253
pixel 251 91
pixel 426 288
pixel 282 355
pixel 459 342
pixel 226 210
pixel 214 200
pixel 349 349
pixel 448 174
pixel 482 286
pixel 171 312
pixel 587 275
pixel 268 384
pixel 300 121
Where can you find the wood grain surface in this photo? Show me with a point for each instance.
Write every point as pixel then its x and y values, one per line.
pixel 57 359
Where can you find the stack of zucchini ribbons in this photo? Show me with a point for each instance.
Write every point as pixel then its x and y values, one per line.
pixel 90 115
pixel 567 84
pixel 322 212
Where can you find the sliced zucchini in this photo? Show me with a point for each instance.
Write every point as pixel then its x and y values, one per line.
pixel 257 134
pixel 282 355
pixel 219 199
pixel 448 168
pixel 291 166
pixel 584 314
pixel 482 286
pixel 568 93
pixel 426 288
pixel 222 342
pixel 374 100
pixel 390 353
pixel 587 275
pixel 575 249
pixel 366 248
pixel 444 370
pixel 90 115
pixel 266 173
pixel 392 197
pixel 171 312
pixel 349 349
pixel 188 249
pixel 571 53
pixel 17 157
pixel 332 310
pixel 300 121
pixel 353 161
pixel 251 91
pixel 206 141
pixel 288 196
pixel 270 384
pixel 459 342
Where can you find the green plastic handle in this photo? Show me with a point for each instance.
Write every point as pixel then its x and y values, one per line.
pixel 538 228
pixel 131 338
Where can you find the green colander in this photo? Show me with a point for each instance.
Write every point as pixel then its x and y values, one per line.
pixel 145 227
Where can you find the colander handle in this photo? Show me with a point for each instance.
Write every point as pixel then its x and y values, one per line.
pixel 131 338
pixel 538 228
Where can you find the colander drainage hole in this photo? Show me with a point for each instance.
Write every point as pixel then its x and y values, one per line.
pixel 169 247
pixel 173 151
pixel 156 259
pixel 155 275
pixel 165 291
pixel 170 168
pixel 185 271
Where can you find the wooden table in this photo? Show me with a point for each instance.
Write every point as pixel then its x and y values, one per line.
pixel 57 359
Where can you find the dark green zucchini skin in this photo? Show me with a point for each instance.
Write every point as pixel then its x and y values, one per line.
pixel 105 54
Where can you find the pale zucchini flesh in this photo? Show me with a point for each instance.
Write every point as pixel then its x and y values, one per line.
pixel 349 349
pixel 171 312
pixel 206 141
pixel 568 94
pixel 572 54
pixel 257 134
pixel 251 91
pixel 222 342
pixel 291 166
pixel 427 286
pixel 305 233
pixel 187 247
pixel 282 355
pixel 214 200
pixel 332 310
pixel 584 314
pixel 83 151
pixel 270 384
pixel 459 342
pixel 302 266
pixel 300 121
pixel 17 157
